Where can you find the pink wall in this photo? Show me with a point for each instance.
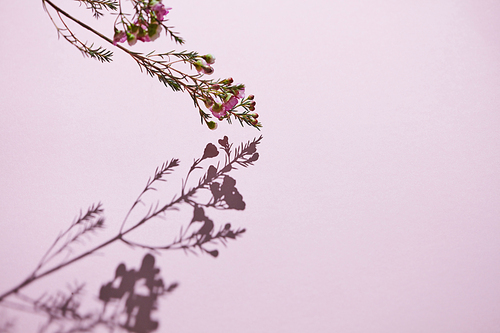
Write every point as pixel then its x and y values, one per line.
pixel 374 206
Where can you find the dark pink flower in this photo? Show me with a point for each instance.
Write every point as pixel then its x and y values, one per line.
pixel 119 37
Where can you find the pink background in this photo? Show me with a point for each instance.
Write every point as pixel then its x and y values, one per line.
pixel 375 205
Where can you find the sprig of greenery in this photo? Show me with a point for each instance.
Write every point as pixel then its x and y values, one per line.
pixel 98 53
pixel 96 6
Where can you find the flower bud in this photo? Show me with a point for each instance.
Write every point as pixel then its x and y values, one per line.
pixel 199 65
pixel 253 104
pixel 251 108
pixel 208 102
pixel 254 122
pixel 215 87
pixel 208 70
pixel 226 81
pixel 251 97
pixel 210 59
pixel 131 39
pixel 212 125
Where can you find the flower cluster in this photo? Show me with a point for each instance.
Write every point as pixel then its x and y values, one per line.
pixel 224 98
pixel 147 25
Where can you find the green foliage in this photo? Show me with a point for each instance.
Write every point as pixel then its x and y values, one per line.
pixel 97 6
pixel 100 53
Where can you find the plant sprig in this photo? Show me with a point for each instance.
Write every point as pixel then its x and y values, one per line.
pixel 220 99
pixel 97 6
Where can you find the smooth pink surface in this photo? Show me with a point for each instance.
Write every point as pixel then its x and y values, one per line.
pixel 375 205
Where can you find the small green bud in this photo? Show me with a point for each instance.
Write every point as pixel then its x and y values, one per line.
pixel 210 59
pixel 131 39
pixel 199 65
pixel 212 125
pixel 227 81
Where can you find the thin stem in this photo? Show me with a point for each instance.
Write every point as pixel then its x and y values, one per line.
pixel 59 10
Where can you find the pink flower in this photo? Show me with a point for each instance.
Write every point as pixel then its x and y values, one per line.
pixel 119 37
pixel 241 93
pixel 218 110
pixel 144 38
pixel 231 103
pixel 160 11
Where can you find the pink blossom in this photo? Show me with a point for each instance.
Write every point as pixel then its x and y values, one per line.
pixel 241 93
pixel 144 38
pixel 160 11
pixel 231 103
pixel 119 37
pixel 218 110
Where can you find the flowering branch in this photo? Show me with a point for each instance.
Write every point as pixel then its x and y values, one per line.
pixel 220 98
